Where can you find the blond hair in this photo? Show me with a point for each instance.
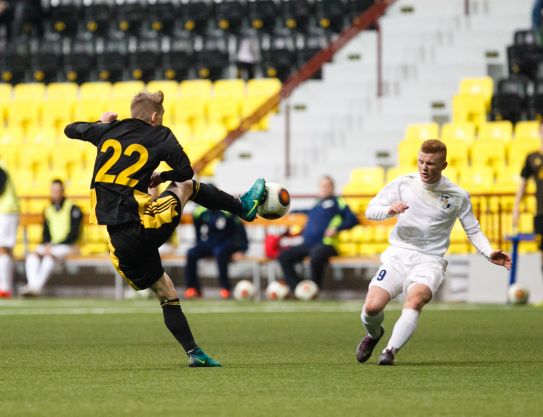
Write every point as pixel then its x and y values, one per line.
pixel 144 104
pixel 434 146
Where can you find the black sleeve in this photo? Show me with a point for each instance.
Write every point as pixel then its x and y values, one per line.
pixel 527 170
pixel 75 225
pixel 3 180
pixel 46 237
pixel 176 157
pixel 89 132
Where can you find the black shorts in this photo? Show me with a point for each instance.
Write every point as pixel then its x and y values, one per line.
pixel 133 247
pixel 538 229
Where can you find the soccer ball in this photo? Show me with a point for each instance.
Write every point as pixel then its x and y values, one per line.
pixel 244 290
pixel 277 291
pixel 306 290
pixel 517 295
pixel 277 202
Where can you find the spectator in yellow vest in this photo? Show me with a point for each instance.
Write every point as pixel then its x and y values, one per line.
pixel 9 220
pixel 61 227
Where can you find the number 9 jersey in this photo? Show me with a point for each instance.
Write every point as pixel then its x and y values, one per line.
pixel 128 152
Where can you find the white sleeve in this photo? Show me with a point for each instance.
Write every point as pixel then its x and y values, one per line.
pixel 379 205
pixel 472 228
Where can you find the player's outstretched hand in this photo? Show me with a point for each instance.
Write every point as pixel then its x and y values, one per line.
pixel 156 179
pixel 501 258
pixel 108 117
pixel 397 208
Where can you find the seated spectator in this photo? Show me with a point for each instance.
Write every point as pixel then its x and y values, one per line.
pixel 324 221
pixel 61 227
pixel 218 234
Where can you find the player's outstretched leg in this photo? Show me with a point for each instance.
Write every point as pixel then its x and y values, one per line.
pixel 212 198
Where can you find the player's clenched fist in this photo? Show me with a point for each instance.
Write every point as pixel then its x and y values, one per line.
pixel 397 208
pixel 108 117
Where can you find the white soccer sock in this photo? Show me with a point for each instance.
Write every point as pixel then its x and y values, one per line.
pixel 372 324
pixel 6 273
pixel 403 329
pixel 46 269
pixel 32 266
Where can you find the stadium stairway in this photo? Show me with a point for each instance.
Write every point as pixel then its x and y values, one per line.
pixel 338 123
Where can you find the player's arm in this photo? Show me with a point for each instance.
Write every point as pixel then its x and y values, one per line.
pixel 386 203
pixel 478 238
pixel 90 132
pixel 75 223
pixel 177 159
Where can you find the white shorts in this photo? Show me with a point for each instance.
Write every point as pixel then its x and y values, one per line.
pixel 8 230
pixel 402 267
pixel 59 251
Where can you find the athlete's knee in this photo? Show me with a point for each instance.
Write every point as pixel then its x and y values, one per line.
pixel 372 307
pixel 418 301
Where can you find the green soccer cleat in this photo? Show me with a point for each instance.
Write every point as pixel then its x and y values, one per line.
pixel 199 359
pixel 252 199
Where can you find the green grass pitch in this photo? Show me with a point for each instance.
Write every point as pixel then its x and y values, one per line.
pixel 104 358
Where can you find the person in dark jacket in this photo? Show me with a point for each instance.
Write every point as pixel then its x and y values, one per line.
pixel 324 221
pixel 218 234
pixel 61 229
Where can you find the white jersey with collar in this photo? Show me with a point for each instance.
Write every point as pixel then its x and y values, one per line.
pixel 433 209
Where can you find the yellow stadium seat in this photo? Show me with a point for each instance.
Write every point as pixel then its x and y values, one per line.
pixel 209 169
pixel 458 131
pixel 507 180
pixel 488 152
pixel 528 130
pixel 224 110
pixel 210 132
pixel 190 110
pixel 370 178
pixel 398 171
pixel 502 130
pixel 127 89
pixel 9 156
pixel 34 158
pixel 479 87
pixel 62 91
pixel 41 136
pixel 23 113
pixel 249 105
pixel 469 109
pixel 68 157
pixel 6 91
pixel 263 87
pixel 13 135
pixel 477 179
pixel 88 109
pixel 196 149
pixel 519 149
pixel 95 90
pixel 57 113
pixel 408 153
pixel 182 132
pixel 196 88
pixel 169 88
pixel 457 153
pixel 452 172
pixel 119 105
pixel 234 88
pixel 29 92
pixel 352 193
pixel 422 131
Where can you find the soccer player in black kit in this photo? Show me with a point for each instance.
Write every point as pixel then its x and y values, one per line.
pixel 128 152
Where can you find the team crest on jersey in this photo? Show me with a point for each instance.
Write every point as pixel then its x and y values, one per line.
pixel 445 201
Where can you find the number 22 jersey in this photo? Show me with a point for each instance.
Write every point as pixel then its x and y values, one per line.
pixel 128 151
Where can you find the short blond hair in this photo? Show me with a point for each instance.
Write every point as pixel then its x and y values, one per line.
pixel 144 104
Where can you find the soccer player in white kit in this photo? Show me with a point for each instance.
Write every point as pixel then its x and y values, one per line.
pixel 427 205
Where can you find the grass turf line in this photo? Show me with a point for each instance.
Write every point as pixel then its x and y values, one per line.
pixel 480 362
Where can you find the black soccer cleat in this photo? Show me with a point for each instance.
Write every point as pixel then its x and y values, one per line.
pixel 366 346
pixel 386 358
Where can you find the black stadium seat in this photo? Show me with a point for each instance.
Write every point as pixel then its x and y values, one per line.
pixel 65 19
pixel 97 18
pixel 229 15
pixel 80 61
pixel 331 14
pixel 47 61
pixel 357 7
pixel 15 63
pixel 510 100
pixel 130 17
pixel 111 63
pixel 536 101
pixel 211 63
pixel 145 61
pixel 297 14
pixel 195 16
pixel 525 55
pixel 162 18
pixel 262 15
